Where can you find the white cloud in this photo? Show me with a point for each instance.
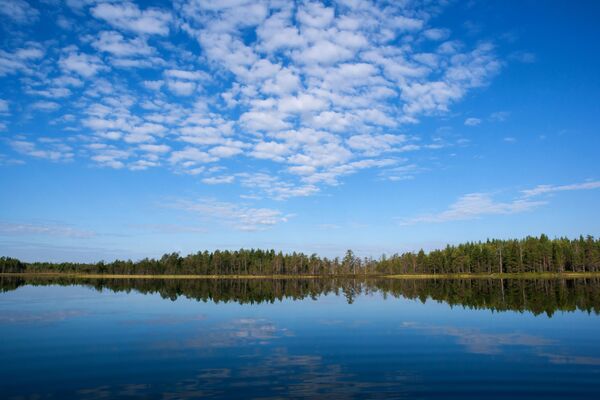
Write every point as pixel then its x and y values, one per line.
pixel 181 88
pixel 51 92
pixel 19 11
pixel 330 176
pixel 50 150
pixel 525 57
pixel 4 108
pixel 270 150
pixel 115 44
pixel 191 156
pixel 285 82
pixel 273 187
pixel 546 189
pixel 263 121
pixel 239 217
pixel 153 85
pixel 141 165
pixel 475 205
pixel 277 32
pixel 155 148
pixel 128 16
pixel 45 105
pixel 85 65
pixel 66 80
pixel 401 173
pixel 315 15
pixel 406 23
pixel 472 121
pixel 321 155
pixel 499 116
pixel 217 180
pixel 187 75
pixel 302 103
pixel 225 151
pixel 10 229
pixel 111 157
pixel 373 145
pixel 436 34
pixel 20 60
pixel 324 52
pixel 33 52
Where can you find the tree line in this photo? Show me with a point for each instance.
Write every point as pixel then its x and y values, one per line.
pixel 528 255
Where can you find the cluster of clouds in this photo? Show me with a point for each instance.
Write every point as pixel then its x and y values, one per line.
pixel 281 98
pixel 309 92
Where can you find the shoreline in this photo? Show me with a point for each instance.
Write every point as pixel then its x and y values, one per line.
pixel 528 275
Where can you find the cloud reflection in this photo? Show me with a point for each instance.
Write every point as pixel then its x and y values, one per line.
pixel 478 342
pixel 39 317
pixel 284 375
pixel 567 359
pixel 234 333
pixel 167 320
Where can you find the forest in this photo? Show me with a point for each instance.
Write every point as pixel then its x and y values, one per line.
pixel 529 255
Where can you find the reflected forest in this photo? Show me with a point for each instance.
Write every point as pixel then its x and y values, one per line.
pixel 538 296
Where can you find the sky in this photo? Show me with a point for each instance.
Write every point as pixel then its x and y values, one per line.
pixel 128 130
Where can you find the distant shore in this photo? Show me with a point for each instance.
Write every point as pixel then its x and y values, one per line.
pixel 528 275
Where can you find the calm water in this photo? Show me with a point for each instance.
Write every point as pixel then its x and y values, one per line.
pixel 299 339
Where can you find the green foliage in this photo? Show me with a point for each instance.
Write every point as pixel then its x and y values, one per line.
pixel 529 255
pixel 11 265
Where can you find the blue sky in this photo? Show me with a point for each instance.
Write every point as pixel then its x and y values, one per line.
pixel 133 129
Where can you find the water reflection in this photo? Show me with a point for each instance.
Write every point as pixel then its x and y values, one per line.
pixel 535 295
pixel 19 317
pixel 234 333
pixel 299 339
pixel 568 359
pixel 479 342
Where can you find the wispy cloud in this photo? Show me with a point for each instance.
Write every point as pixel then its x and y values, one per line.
pixel 478 342
pixel 525 57
pixel 14 229
pixel 476 205
pixel 4 108
pixel 169 228
pixel 545 189
pixel 51 149
pixel 570 359
pixel 499 116
pixel 472 121
pixel 237 216
pixel 264 184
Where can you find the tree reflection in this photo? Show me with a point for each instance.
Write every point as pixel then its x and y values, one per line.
pixel 534 295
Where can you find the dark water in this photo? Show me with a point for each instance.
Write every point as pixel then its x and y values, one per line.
pixel 299 339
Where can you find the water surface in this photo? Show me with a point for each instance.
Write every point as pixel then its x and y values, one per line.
pixel 299 339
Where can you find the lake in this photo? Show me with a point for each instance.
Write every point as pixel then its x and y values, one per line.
pixel 287 338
